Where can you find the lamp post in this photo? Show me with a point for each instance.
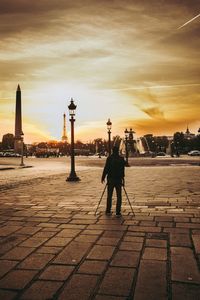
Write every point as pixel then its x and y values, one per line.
pixel 22 150
pixel 72 176
pixel 126 146
pixel 199 137
pixel 109 126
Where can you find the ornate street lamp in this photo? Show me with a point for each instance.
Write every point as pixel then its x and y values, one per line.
pixel 22 150
pixel 126 146
pixel 72 176
pixel 109 126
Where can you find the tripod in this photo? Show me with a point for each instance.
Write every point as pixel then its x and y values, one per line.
pixel 126 197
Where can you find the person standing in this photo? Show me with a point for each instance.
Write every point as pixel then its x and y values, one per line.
pixel 114 170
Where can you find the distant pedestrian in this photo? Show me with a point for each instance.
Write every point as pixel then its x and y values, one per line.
pixel 114 170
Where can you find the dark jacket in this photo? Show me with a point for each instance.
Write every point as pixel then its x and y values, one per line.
pixel 114 168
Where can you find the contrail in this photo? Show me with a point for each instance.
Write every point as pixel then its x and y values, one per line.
pixel 189 21
pixel 154 87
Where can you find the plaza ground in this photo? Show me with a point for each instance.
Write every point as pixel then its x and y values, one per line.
pixel 52 246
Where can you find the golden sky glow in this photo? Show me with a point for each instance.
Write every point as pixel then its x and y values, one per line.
pixel 131 61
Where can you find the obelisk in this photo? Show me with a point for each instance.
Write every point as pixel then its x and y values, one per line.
pixel 18 121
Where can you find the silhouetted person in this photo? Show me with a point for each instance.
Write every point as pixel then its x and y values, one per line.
pixel 114 169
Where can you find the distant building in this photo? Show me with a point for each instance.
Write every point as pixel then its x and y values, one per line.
pixel 188 135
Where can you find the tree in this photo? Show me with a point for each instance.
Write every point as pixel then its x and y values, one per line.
pixel 8 141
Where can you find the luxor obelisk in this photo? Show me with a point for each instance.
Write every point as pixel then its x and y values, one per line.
pixel 18 121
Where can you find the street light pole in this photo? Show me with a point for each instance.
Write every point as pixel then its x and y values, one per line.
pixel 109 126
pixel 22 151
pixel 126 147
pixel 72 176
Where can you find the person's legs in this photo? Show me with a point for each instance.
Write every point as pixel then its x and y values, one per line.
pixel 118 188
pixel 109 196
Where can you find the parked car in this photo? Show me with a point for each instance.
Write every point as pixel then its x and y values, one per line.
pixel 161 154
pixel 194 153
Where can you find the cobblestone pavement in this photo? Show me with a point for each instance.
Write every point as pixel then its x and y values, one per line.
pixel 52 246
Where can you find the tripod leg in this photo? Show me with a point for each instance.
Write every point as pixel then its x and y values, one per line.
pixel 100 199
pixel 128 200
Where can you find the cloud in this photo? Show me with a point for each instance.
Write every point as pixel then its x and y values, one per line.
pixel 120 50
pixel 154 113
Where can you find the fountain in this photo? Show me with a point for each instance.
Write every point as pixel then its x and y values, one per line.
pixel 139 146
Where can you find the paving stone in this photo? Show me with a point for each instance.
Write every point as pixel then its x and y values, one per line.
pixel 145 229
pixel 185 291
pixel 18 253
pixel 104 297
pixel 155 253
pixel 5 266
pixel 50 230
pixel 56 272
pixel 110 220
pixel 164 219
pixel 176 230
pixel 68 232
pixel 58 241
pixel 134 239
pixel 34 242
pixel 41 290
pixel 36 261
pixel 181 219
pixel 72 226
pixel 79 287
pixel 196 241
pixel 17 279
pixel 92 267
pixel 111 233
pixel 92 232
pixel 131 246
pixel 158 235
pixel 7 295
pixel 73 253
pixel 113 284
pixel 44 234
pixel 151 282
pixel 184 270
pixel 182 240
pixel 156 243
pixel 48 225
pixel 126 259
pixel 84 216
pixel 86 238
pixel 188 225
pixel 194 220
pixel 107 227
pixel 112 241
pixel 165 224
pixel 82 221
pixel 6 230
pixel 52 250
pixel 148 223
pixel 28 230
pixel 131 222
pixel 101 252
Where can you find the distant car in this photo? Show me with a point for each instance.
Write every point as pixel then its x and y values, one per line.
pixel 161 154
pixel 194 153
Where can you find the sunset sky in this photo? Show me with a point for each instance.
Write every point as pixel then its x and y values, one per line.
pixel 135 62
